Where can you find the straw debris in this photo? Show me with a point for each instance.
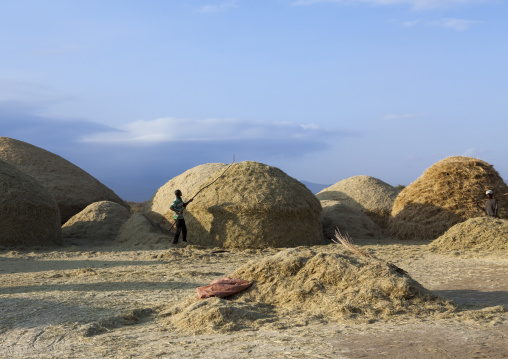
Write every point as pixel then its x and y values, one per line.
pixel 479 235
pixel 348 219
pixel 367 194
pixel 443 196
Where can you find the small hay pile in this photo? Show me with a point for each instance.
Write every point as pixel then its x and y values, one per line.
pixel 481 235
pixel 216 315
pixel 140 230
pixel 98 222
pixel 28 212
pixel 189 182
pixel 444 196
pixel 253 206
pixel 348 219
pixel 72 187
pixel 299 285
pixel 364 193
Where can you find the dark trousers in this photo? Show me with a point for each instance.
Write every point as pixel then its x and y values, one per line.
pixel 180 227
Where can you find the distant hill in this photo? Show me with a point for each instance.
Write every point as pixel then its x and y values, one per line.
pixel 315 187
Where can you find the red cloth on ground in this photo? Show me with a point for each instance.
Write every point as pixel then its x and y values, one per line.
pixel 223 287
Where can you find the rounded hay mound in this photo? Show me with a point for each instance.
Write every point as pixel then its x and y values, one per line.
pixel 140 230
pixel 367 194
pixel 72 187
pixel 28 212
pixel 98 222
pixel 348 220
pixel 482 234
pixel 189 182
pixel 335 286
pixel 443 196
pixel 254 206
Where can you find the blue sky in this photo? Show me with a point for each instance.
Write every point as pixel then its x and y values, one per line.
pixel 137 92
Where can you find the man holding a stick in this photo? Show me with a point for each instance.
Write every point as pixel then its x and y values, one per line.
pixel 177 207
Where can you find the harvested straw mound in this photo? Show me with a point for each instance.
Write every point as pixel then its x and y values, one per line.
pixel 73 188
pixel 444 196
pixel 188 182
pixel 348 219
pixel 366 194
pixel 482 234
pixel 336 287
pixel 28 212
pixel 216 315
pixel 139 230
pixel 98 222
pixel 253 206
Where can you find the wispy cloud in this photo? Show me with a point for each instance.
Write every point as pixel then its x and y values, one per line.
pixel 213 8
pixel 416 4
pixel 474 152
pixel 454 24
pixel 173 129
pixel 402 116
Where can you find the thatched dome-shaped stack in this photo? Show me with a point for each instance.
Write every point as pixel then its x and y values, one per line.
pixel 444 196
pixel 477 235
pixel 348 220
pixel 98 222
pixel 189 182
pixel 73 188
pixel 367 194
pixel 28 212
pixel 253 206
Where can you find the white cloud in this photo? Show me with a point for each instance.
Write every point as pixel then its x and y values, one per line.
pixel 416 4
pixel 473 152
pixel 218 7
pixel 403 116
pixel 410 23
pixel 455 24
pixel 173 129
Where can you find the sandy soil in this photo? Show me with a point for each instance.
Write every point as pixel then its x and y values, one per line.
pixel 84 301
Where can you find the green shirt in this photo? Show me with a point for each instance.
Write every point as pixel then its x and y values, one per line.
pixel 177 206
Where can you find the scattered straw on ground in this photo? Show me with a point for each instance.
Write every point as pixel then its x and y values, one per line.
pixel 481 235
pixel 444 196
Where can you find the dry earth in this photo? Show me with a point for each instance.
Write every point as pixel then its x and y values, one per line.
pixel 106 302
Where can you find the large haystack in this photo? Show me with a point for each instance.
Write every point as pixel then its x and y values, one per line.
pixel 140 230
pixel 444 196
pixel 348 220
pixel 304 285
pixel 367 194
pixel 478 235
pixel 28 212
pixel 73 188
pixel 189 182
pixel 98 222
pixel 253 206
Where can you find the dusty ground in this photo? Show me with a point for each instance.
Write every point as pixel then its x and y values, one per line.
pixel 85 301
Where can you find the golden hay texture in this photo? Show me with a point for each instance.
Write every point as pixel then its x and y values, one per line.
pixel 253 206
pixel 305 285
pixel 99 222
pixel 140 230
pixel 73 188
pixel 28 212
pixel 367 194
pixel 482 234
pixel 443 196
pixel 348 219
pixel 189 182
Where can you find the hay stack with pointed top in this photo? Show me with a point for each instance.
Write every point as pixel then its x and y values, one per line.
pixel 98 222
pixel 478 235
pixel 348 220
pixel 28 212
pixel 443 196
pixel 366 194
pixel 252 206
pixel 72 187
